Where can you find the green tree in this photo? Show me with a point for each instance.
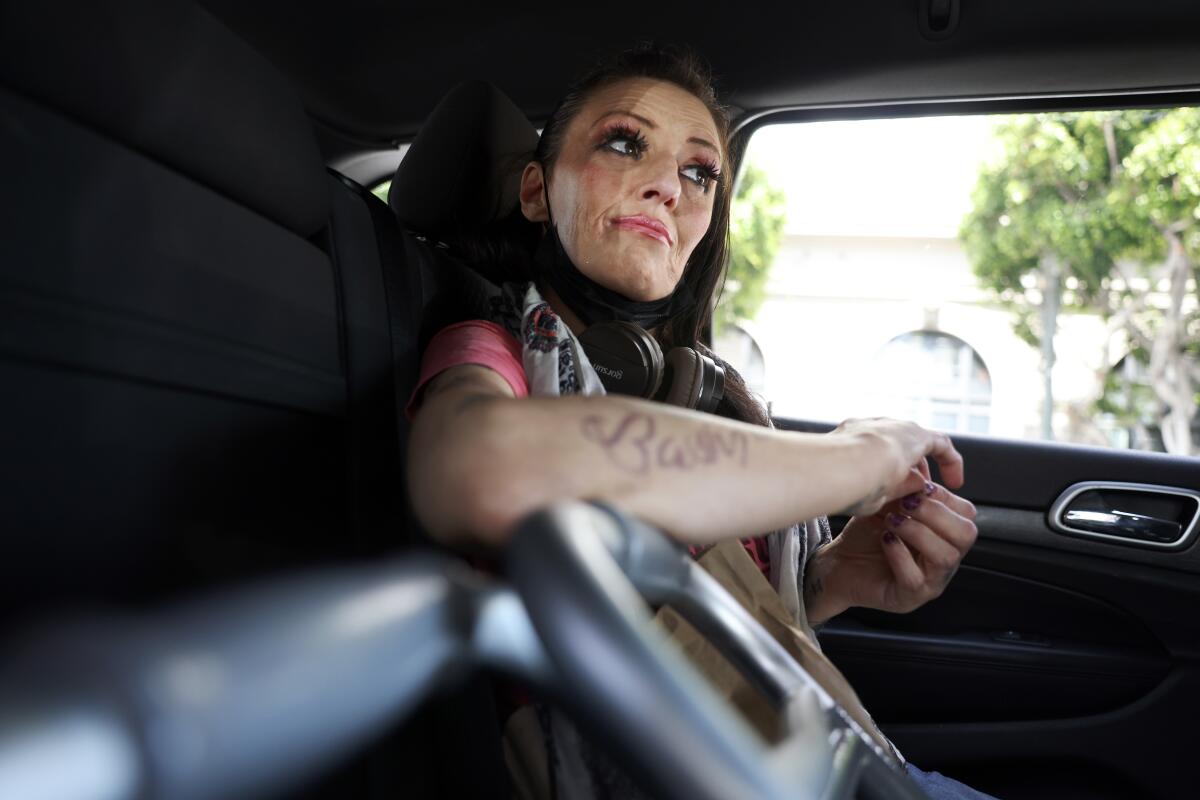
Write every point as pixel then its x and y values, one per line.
pixel 755 234
pixel 1104 207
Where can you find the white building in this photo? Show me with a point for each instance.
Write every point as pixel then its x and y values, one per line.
pixel 897 326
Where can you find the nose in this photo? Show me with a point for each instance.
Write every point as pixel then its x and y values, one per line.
pixel 661 181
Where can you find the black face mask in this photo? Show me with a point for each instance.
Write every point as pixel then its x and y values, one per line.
pixel 594 303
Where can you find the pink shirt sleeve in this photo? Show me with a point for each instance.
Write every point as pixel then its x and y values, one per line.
pixel 472 342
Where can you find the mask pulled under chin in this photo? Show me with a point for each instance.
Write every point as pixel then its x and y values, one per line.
pixel 594 303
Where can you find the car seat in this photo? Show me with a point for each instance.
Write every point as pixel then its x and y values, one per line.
pixel 203 333
pixel 192 335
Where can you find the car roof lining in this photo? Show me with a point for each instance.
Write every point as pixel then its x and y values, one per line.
pixel 370 72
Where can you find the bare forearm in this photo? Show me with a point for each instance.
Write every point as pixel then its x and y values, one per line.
pixel 700 477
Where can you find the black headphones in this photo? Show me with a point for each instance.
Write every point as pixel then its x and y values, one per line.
pixel 629 361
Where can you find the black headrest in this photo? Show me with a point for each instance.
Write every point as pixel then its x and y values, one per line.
pixel 463 171
pixel 166 78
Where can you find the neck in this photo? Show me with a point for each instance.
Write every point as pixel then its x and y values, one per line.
pixel 568 316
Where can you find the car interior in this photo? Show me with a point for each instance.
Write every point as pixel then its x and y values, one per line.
pixel 213 581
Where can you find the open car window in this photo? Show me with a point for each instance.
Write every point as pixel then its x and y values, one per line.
pixel 911 267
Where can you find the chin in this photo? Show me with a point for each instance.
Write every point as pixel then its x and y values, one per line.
pixel 643 282
pixel 633 274
pixel 644 291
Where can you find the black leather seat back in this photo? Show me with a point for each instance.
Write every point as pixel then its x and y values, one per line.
pixel 381 291
pixel 204 340
pixel 172 348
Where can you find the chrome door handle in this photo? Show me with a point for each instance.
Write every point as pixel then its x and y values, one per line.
pixel 1159 517
pixel 1125 525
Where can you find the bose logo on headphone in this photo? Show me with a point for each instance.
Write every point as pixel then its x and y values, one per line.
pixel 616 374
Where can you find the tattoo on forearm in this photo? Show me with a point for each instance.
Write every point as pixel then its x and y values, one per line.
pixel 447 382
pixel 813 587
pixel 466 401
pixel 862 504
pixel 632 444
pixel 814 581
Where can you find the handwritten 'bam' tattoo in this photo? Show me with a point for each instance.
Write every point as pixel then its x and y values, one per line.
pixel 631 444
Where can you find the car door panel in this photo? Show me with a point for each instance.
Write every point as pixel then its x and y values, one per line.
pixel 1033 670
pixel 1053 665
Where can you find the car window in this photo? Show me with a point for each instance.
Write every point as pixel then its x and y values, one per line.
pixel 911 267
pixel 381 189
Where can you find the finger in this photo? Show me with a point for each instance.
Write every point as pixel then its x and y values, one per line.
pixel 948 459
pixel 959 505
pixel 923 465
pixel 908 575
pixel 934 551
pixel 908 503
pixel 914 482
pixel 944 522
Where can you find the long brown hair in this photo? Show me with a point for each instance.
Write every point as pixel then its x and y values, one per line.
pixel 705 271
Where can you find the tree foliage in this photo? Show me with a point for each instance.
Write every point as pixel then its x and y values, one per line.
pixel 1113 199
pixel 755 234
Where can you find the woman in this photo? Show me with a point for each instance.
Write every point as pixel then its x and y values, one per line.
pixel 631 181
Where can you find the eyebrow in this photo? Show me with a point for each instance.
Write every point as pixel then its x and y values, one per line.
pixel 620 112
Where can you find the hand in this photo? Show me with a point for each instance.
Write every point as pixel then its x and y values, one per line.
pixel 895 560
pixel 905 446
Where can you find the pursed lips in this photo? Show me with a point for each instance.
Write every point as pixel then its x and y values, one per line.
pixel 646 226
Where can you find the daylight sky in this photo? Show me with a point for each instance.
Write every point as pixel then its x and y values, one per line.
pixel 901 177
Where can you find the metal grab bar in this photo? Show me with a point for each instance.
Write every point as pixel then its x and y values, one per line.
pixel 256 690
pixel 249 692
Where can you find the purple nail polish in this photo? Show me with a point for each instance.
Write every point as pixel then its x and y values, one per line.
pixel 929 488
pixel 895 520
pixel 911 501
pixel 889 537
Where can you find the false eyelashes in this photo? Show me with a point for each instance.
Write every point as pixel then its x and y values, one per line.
pixel 625 140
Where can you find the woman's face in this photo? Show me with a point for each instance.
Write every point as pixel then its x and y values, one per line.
pixel 632 190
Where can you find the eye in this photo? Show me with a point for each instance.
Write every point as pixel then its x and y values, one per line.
pixel 703 175
pixel 625 141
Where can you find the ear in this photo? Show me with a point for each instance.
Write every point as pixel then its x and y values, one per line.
pixel 533 193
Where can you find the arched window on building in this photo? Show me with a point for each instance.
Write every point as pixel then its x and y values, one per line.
pixel 936 380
